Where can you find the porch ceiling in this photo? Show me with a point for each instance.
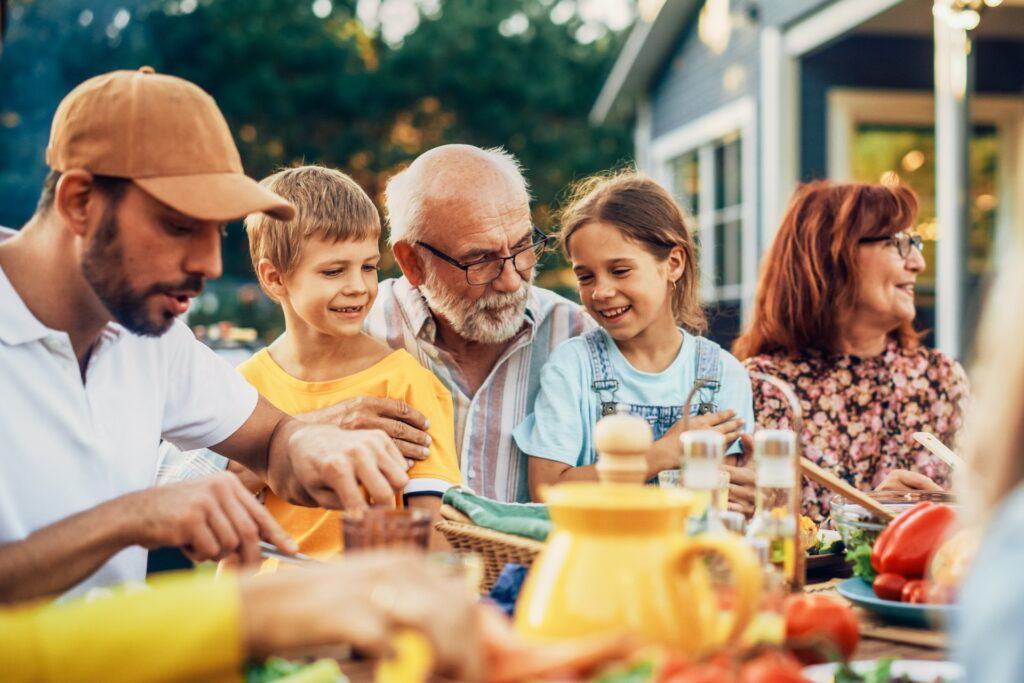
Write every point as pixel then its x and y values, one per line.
pixel 914 18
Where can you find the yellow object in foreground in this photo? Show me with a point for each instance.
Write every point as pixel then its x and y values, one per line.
pixel 617 560
pixel 183 628
pixel 413 660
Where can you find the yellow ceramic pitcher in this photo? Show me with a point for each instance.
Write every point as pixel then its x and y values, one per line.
pixel 617 560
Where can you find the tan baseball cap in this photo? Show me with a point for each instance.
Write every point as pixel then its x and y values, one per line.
pixel 167 136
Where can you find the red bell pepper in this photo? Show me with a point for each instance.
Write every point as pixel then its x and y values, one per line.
pixel 906 545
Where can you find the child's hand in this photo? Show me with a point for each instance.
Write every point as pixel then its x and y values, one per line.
pixel 742 484
pixel 724 422
pixel 664 455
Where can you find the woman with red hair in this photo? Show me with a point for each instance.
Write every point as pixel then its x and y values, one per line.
pixel 833 317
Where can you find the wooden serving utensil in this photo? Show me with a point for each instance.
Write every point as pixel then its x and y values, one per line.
pixel 939 449
pixel 837 485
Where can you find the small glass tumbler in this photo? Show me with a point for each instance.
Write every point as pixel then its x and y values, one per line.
pixel 669 479
pixel 385 528
pixel 467 567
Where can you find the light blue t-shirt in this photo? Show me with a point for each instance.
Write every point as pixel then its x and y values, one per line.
pixel 562 423
pixel 986 631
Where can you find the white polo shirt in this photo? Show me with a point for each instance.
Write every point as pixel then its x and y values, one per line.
pixel 66 446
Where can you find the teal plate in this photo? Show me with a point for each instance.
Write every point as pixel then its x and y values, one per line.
pixel 858 591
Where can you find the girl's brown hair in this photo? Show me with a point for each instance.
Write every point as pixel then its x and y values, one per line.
pixel 647 214
pixel 808 277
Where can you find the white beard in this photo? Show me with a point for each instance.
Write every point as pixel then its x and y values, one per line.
pixel 491 319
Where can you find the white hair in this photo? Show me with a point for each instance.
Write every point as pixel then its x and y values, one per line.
pixel 492 319
pixel 428 177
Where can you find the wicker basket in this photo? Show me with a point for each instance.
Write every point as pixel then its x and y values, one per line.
pixel 496 549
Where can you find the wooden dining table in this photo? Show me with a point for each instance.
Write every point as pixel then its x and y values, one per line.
pixel 878 639
pixel 881 639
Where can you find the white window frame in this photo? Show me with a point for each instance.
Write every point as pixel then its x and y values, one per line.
pixel 738 117
pixel 849 108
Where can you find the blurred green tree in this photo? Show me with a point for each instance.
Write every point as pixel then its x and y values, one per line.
pixel 310 82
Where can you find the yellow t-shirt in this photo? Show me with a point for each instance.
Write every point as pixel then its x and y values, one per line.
pixel 397 376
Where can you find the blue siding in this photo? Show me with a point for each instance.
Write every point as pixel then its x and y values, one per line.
pixel 886 62
pixel 692 81
pixel 781 12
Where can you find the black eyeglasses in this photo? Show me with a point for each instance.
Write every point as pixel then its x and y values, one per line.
pixel 903 241
pixel 487 270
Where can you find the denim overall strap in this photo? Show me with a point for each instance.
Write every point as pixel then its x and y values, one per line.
pixel 604 382
pixel 661 418
pixel 709 375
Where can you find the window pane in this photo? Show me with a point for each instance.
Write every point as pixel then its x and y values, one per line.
pixel 729 253
pixel 686 182
pixel 728 173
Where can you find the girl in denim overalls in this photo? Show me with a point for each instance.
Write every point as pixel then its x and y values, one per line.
pixel 636 265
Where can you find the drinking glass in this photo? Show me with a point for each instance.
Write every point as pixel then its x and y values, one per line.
pixel 385 528
pixel 467 567
pixel 668 479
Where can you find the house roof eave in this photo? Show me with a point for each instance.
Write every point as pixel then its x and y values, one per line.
pixel 648 45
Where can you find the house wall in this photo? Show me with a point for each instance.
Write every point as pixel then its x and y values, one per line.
pixel 779 12
pixel 695 81
pixel 864 61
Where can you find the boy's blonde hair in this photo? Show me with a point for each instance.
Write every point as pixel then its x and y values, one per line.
pixel 328 205
pixel 646 214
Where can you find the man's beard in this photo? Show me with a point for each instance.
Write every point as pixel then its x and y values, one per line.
pixel 491 319
pixel 103 268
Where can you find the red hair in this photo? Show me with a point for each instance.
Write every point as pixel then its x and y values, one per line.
pixel 807 281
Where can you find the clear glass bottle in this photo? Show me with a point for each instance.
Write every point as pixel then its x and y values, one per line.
pixel 703 452
pixel 775 519
pixel 769 624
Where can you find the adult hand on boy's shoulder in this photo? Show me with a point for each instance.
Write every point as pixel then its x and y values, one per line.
pixel 404 424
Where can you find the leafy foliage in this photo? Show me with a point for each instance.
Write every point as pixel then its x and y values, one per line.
pixel 299 88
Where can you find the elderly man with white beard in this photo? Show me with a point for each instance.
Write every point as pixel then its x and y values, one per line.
pixel 461 232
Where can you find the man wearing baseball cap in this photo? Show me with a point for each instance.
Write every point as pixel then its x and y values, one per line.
pixel 96 369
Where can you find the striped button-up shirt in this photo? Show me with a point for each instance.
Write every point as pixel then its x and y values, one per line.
pixel 491 463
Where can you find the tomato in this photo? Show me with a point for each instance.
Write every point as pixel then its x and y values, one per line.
pixel 673 665
pixel 708 672
pixel 889 586
pixel 915 591
pixel 772 667
pixel 819 628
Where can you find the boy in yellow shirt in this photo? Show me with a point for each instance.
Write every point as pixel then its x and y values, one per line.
pixel 321 267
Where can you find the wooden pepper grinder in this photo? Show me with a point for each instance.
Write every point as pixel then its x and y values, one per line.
pixel 622 441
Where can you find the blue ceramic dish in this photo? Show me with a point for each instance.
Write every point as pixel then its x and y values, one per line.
pixel 859 592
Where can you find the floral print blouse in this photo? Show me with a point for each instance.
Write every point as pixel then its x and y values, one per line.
pixel 860 414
